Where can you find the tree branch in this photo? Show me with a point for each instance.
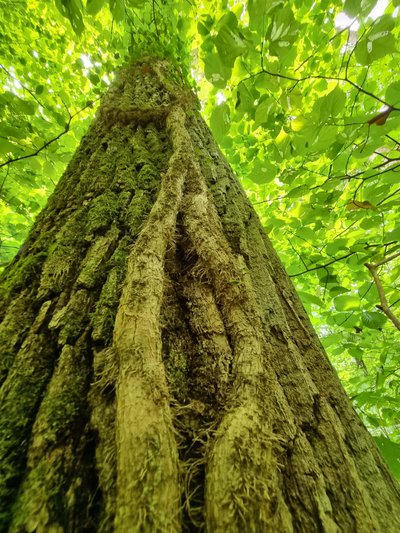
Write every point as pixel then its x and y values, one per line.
pixel 373 268
pixel 321 77
pixel 48 143
pixel 322 266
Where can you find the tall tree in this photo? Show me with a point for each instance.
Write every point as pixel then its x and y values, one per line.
pixel 159 372
pixel 304 101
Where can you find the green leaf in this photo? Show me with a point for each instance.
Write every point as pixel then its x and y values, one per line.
pixel 257 14
pixel 347 320
pixel 373 421
pixel 368 398
pixel 299 191
pixel 283 30
pixel 391 453
pixel 346 302
pixel 49 170
pixel 94 78
pixel 11 131
pixel 383 24
pixel 357 8
pixel 306 233
pixel 310 298
pixel 372 221
pixel 332 248
pixel 329 105
pixel 216 71
pixel 39 89
pixel 378 43
pixel 204 25
pixel 19 105
pixel 336 290
pixel 220 121
pixel 264 111
pixel 334 338
pixel 245 98
pixel 355 351
pixel 373 320
pixel 369 292
pixel 262 171
pixel 392 95
pixel 117 8
pixel 61 120
pixel 6 146
pixel 229 41
pixel 392 236
pixel 94 6
pixel 71 9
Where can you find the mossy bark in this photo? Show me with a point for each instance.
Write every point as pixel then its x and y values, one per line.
pixel 158 370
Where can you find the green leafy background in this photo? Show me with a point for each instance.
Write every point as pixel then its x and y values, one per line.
pixel 305 104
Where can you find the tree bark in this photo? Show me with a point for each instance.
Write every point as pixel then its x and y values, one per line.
pixel 158 370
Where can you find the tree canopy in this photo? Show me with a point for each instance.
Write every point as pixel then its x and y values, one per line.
pixel 303 98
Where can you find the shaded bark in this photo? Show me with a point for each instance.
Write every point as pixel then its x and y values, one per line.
pixel 158 370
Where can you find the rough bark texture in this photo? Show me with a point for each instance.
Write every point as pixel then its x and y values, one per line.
pixel 158 371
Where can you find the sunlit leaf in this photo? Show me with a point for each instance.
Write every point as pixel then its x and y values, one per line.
pixel 373 320
pixel 220 121
pixel 117 8
pixel 6 147
pixel 346 302
pixel 94 6
pixel 378 43
pixel 71 9
pixel 262 171
pixel 391 452
pixel 228 41
pixel 216 71
pixel 258 10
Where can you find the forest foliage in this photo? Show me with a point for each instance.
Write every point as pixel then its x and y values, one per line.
pixel 303 98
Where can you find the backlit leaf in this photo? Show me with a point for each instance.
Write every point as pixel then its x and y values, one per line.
pixel 71 9
pixel 373 320
pixel 391 453
pixel 346 302
pixel 228 41
pixel 94 6
pixel 220 121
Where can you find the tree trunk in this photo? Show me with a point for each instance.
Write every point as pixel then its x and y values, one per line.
pixel 158 371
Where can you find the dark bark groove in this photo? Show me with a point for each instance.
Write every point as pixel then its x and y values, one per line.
pixel 158 372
